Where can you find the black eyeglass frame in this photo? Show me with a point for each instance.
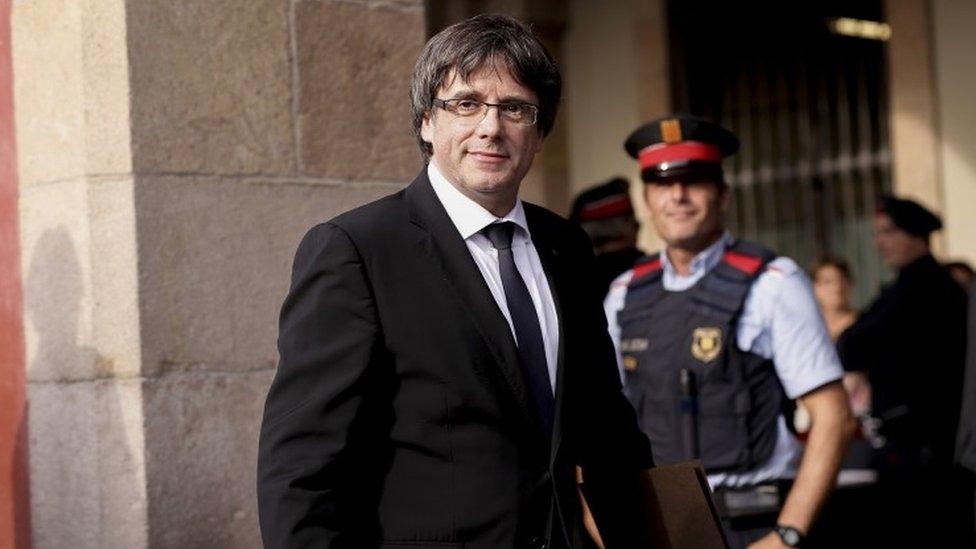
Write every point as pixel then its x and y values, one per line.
pixel 484 106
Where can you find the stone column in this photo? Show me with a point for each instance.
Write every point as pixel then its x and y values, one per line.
pixel 913 115
pixel 955 46
pixel 173 154
pixel 14 490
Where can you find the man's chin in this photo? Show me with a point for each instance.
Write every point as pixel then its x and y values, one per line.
pixel 687 241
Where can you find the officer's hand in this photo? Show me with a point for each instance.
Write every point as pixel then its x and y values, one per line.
pixel 858 391
pixel 769 541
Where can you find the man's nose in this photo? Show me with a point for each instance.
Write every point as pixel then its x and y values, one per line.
pixel 677 190
pixel 491 123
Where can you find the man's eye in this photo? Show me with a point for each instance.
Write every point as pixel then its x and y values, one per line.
pixel 467 105
pixel 512 108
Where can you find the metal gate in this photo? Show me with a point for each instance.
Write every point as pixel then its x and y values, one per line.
pixel 810 106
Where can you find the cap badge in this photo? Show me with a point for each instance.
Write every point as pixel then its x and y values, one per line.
pixel 706 343
pixel 671 131
pixel 630 363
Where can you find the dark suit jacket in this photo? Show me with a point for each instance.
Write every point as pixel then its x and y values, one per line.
pixel 399 416
pixel 911 342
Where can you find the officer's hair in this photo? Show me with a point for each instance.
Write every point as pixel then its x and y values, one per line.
pixel 480 42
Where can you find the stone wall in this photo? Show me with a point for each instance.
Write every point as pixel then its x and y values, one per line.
pixel 172 154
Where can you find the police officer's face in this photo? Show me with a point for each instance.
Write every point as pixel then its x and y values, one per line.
pixel 897 247
pixel 485 158
pixel 687 213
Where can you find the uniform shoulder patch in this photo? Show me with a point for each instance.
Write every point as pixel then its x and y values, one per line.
pixel 748 264
pixel 646 266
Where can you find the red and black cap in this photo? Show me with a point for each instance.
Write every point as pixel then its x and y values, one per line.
pixel 679 145
pixel 605 201
pixel 909 216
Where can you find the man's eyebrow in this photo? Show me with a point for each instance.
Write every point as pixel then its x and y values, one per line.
pixel 466 94
pixel 515 99
pixel 472 94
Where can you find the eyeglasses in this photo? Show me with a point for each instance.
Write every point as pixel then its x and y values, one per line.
pixel 525 114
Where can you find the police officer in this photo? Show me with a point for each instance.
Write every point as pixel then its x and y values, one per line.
pixel 715 335
pixel 606 213
pixel 911 343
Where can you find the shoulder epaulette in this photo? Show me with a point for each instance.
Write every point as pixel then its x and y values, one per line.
pixel 747 258
pixel 646 266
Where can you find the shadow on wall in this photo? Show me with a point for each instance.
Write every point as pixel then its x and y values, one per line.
pixel 87 483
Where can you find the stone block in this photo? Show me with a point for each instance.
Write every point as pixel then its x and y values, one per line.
pixel 106 88
pixel 48 90
pixel 115 277
pixel 210 84
pixel 354 67
pixel 215 264
pixel 56 271
pixel 80 280
pixel 87 476
pixel 201 440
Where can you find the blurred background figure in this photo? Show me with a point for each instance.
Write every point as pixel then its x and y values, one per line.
pixel 966 438
pixel 961 272
pixel 911 343
pixel 832 282
pixel 832 286
pixel 607 215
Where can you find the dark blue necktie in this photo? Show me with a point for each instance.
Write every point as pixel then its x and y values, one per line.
pixel 532 352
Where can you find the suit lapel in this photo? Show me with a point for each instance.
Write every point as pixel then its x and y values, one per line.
pixel 444 245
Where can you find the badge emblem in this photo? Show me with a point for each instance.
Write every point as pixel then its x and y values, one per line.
pixel 630 364
pixel 706 343
pixel 634 345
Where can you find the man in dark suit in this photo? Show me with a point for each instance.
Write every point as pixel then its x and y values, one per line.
pixel 444 359
pixel 911 344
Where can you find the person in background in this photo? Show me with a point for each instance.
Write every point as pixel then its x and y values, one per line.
pixel 832 285
pixel 607 215
pixel 716 336
pixel 966 437
pixel 911 344
pixel 962 273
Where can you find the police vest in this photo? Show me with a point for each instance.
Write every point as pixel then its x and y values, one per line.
pixel 663 332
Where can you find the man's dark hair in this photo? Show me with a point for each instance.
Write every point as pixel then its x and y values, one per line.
pixel 479 42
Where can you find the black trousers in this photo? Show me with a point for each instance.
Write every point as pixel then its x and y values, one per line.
pixel 741 532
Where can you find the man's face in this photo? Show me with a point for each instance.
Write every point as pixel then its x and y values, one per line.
pixel 687 212
pixel 897 247
pixel 485 158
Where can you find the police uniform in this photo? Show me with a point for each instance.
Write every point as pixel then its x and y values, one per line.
pixel 743 323
pixel 606 213
pixel 911 342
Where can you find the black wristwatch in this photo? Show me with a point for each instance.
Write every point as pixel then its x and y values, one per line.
pixel 790 536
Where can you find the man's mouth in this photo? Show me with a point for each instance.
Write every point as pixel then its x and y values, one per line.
pixel 488 156
pixel 681 215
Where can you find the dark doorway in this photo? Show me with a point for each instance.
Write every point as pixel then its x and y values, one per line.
pixel 810 105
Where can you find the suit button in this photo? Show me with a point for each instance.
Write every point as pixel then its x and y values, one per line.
pixel 539 543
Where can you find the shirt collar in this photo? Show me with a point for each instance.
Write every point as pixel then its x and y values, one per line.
pixel 705 261
pixel 467 215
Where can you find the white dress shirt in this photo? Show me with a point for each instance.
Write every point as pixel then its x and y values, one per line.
pixel 469 218
pixel 780 321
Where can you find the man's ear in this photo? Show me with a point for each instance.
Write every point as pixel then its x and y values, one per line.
pixel 725 198
pixel 427 128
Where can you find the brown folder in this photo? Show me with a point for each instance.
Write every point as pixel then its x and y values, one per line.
pixel 677 506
